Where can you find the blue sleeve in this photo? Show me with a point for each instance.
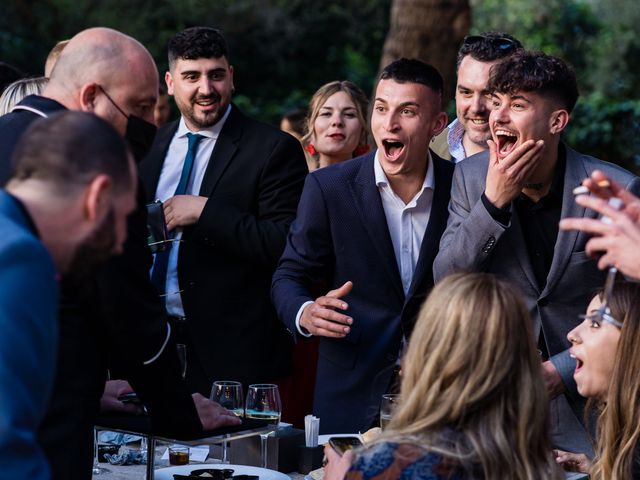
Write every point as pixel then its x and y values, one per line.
pixel 28 349
pixel 308 258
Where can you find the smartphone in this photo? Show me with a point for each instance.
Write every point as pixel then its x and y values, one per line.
pixel 342 444
pixel 130 398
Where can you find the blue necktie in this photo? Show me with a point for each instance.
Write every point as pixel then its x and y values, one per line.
pixel 159 272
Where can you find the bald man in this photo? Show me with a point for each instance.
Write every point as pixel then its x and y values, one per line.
pixel 115 317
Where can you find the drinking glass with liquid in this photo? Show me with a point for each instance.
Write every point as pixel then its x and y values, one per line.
pixel 263 403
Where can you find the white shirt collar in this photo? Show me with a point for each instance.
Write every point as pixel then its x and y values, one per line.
pixel 381 177
pixel 210 132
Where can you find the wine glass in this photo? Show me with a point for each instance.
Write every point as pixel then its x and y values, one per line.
pixel 263 403
pixel 97 469
pixel 229 395
pixel 387 406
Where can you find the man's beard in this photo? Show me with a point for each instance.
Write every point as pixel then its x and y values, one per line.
pixel 97 248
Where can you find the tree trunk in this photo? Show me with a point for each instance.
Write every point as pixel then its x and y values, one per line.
pixel 428 30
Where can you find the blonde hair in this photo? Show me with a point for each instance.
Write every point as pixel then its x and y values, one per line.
pixel 472 367
pixel 619 421
pixel 19 89
pixel 321 96
pixel 53 56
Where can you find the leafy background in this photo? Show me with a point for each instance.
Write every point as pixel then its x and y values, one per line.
pixel 284 50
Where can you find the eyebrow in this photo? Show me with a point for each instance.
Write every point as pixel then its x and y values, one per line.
pixel 410 103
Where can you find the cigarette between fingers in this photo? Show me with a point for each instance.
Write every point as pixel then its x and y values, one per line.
pixel 581 190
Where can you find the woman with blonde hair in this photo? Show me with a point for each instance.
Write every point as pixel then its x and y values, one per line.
pixel 473 403
pixel 336 127
pixel 605 347
pixel 19 89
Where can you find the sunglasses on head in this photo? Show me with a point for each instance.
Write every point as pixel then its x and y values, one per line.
pixel 502 43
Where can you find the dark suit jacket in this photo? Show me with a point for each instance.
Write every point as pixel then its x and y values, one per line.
pixel 28 344
pixel 474 241
pixel 253 182
pixel 340 234
pixel 114 318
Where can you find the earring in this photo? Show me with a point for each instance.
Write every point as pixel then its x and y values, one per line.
pixel 311 149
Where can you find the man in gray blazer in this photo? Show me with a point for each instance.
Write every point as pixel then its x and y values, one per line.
pixel 504 213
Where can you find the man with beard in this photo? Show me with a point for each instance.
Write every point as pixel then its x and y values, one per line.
pixel 505 207
pixel 469 132
pixel 230 186
pixel 74 182
pixel 115 316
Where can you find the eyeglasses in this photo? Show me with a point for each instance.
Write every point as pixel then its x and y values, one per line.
pixel 502 43
pixel 598 317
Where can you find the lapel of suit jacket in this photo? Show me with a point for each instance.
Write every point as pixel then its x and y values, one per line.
pixel 369 205
pixel 151 166
pixel 226 146
pixel 574 174
pixel 436 226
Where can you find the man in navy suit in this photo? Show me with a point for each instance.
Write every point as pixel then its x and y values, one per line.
pixel 230 187
pixel 66 205
pixel 368 230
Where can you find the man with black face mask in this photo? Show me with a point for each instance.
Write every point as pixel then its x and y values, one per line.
pixel 112 317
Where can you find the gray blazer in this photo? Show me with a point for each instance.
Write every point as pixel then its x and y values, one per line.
pixel 474 241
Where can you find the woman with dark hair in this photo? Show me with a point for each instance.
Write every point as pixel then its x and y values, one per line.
pixel 605 347
pixel 473 403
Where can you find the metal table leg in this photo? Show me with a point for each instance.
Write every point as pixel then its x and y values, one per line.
pixel 151 457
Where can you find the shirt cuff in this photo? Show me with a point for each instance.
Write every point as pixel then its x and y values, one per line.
pixel 302 331
pixel 500 215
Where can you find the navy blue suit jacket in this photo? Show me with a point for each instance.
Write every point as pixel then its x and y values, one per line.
pixel 340 234
pixel 28 344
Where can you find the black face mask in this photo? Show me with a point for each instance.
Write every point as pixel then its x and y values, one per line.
pixel 140 133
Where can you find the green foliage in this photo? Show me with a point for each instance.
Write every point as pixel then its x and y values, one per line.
pixel 282 50
pixel 607 129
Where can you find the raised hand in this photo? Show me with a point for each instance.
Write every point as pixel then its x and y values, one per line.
pixel 321 318
pixel 506 176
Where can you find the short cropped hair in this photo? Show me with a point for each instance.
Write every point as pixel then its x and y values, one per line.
pixel 414 71
pixel 197 42
pixel 536 72
pixel 70 148
pixel 488 47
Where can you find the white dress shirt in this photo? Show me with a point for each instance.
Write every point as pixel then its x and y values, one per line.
pixel 407 224
pixel 167 184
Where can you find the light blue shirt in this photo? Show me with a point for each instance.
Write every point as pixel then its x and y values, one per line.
pixel 454 140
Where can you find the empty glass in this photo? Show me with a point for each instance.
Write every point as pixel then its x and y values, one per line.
pixel 228 394
pixel 387 406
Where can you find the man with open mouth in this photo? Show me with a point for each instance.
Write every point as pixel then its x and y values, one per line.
pixel 367 232
pixel 504 213
pixel 469 132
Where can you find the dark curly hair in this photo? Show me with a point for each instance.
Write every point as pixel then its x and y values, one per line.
pixel 488 47
pixel 536 72
pixel 197 42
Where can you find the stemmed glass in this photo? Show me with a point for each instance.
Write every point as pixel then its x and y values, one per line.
pixel 229 395
pixel 387 406
pixel 263 403
pixel 97 469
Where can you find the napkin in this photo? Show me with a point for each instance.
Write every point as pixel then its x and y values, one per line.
pixel 311 429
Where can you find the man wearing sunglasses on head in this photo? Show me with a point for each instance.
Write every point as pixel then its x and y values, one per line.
pixel 469 132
